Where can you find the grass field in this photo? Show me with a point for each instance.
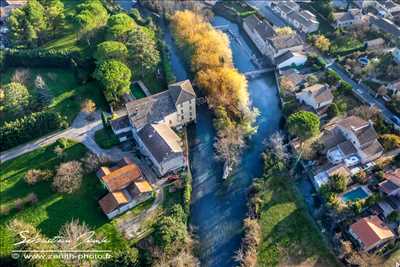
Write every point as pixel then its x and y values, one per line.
pixel 289 236
pixel 53 209
pixel 105 138
pixel 66 91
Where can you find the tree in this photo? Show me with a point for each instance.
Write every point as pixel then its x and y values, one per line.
pixel 322 43
pixel 90 15
pixel 338 183
pixel 390 141
pixel 312 79
pixel 115 77
pixel 381 91
pixel 68 178
pixel 303 124
pixel 55 15
pixel 15 98
pixel 394 216
pixel 277 147
pixel 34 175
pixel 170 234
pixel 142 51
pixel 119 25
pixel 110 50
pixel 284 31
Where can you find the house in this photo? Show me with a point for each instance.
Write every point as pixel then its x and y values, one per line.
pixel 259 31
pixel 284 8
pixel 377 43
pixel 351 17
pixel 327 171
pixel 384 25
pixel 396 55
pixel 162 146
pixel 317 96
pixel 370 232
pixel 391 185
pixel 126 185
pixel 304 21
pixel 151 119
pixel 387 6
pixel 351 137
pixel 279 45
pixel 290 58
pixel 394 87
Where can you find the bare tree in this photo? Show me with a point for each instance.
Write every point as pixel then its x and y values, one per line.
pixel 68 178
pixel 34 175
pixel 21 76
pixel 92 162
pixel 275 145
pixel 229 145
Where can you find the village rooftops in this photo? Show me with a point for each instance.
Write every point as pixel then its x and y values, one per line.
pixel 364 130
pixel 386 25
pixel 285 7
pixel 120 178
pixel 161 141
pixel 283 42
pixel 370 232
pixel 320 92
pixel 181 92
pixel 297 16
pixel 347 16
pixel 262 27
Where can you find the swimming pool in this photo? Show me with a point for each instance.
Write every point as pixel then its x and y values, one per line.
pixel 355 194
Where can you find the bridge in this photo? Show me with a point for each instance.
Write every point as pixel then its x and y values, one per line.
pixel 255 73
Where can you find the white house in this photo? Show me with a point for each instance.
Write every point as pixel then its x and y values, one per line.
pixel 290 58
pixel 317 96
pixel 304 21
pixel 352 136
pixel 350 18
pixel 149 121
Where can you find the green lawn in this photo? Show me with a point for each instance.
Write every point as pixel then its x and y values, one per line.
pixel 137 91
pixel 105 138
pixel 66 91
pixel 289 236
pixel 53 209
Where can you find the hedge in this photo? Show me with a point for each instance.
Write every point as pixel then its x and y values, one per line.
pixel 46 58
pixel 29 127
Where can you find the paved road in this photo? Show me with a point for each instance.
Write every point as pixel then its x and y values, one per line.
pixel 267 12
pixel 363 92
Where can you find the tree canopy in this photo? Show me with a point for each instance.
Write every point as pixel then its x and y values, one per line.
pixel 303 124
pixel 119 25
pixel 111 50
pixel 115 77
pixel 322 43
pixel 14 98
pixel 143 51
pixel 90 14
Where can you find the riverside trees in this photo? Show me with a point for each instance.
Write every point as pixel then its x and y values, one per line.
pixel 210 59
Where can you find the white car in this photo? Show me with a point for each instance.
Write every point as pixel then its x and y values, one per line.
pixel 369 165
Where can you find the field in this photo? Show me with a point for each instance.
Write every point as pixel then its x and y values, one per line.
pixel 67 93
pixel 289 236
pixel 52 209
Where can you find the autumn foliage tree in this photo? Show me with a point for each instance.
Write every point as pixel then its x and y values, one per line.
pixel 210 57
pixel 322 43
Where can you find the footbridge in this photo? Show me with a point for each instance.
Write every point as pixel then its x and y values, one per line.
pixel 256 73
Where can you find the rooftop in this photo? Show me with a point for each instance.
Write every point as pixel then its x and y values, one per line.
pixel 320 92
pixel 120 178
pixel 370 230
pixel 161 141
pixel 282 42
pixel 262 27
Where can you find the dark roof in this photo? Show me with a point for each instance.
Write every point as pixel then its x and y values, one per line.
pixel 388 186
pixel 347 148
pixel 181 92
pixel 281 42
pixel 120 123
pixel 150 109
pixel 373 149
pixel 158 145
pixel 262 27
pixel 285 56
pixel 394 202
pixel 366 134
pixel 300 18
pixel 285 7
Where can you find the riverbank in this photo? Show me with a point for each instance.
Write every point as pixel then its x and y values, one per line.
pixel 288 234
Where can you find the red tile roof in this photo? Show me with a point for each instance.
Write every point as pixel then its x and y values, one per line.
pixel 120 178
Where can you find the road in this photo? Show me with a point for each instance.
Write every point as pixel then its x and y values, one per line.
pixel 363 92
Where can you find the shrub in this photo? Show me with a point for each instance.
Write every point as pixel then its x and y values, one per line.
pixel 34 175
pixel 390 141
pixel 361 177
pixel 29 127
pixel 338 183
pixel 68 178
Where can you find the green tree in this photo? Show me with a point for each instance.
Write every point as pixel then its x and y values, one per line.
pixel 170 234
pixel 90 15
pixel 119 25
pixel 15 98
pixel 55 15
pixel 338 183
pixel 143 51
pixel 394 216
pixel 303 124
pixel 111 50
pixel 115 77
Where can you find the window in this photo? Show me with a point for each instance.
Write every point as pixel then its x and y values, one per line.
pixel 170 122
pixel 182 111
pixel 190 107
pixel 182 117
pixel 190 114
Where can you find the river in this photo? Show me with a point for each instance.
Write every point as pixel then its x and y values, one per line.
pixel 219 207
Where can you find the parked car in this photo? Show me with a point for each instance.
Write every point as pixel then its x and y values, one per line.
pixel 351 161
pixel 369 165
